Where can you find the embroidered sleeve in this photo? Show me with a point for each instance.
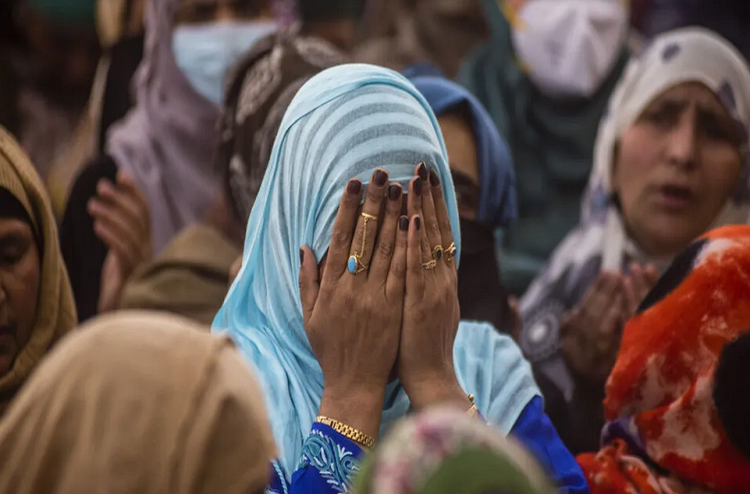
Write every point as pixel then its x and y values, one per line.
pixel 327 464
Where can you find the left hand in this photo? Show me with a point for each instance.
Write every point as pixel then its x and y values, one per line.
pixel 122 222
pixel 431 310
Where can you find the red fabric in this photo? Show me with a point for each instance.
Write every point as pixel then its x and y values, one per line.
pixel 663 381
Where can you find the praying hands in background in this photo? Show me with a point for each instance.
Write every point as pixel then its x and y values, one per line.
pixel 122 222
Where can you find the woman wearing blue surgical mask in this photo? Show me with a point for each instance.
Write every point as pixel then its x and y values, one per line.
pixel 545 77
pixel 156 176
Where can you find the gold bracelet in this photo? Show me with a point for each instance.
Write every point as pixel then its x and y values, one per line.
pixel 473 411
pixel 347 431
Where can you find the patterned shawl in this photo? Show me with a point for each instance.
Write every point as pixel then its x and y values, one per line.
pixel 665 434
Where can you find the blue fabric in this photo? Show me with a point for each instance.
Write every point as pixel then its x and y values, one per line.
pixel 328 462
pixel 535 431
pixel 345 122
pixel 497 201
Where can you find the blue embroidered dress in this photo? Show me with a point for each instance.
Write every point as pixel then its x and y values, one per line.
pixel 329 460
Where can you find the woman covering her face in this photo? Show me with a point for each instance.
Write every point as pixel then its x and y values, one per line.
pixel 671 163
pixel 138 403
pixel 36 303
pixel 347 309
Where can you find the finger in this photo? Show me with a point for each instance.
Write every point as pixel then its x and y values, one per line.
pixel 441 211
pixel 429 217
pixel 652 276
pixel 343 230
pixel 639 280
pixel 127 184
pixel 114 219
pixel 309 283
pixel 611 321
pixel 127 205
pixel 414 270
pixel 385 244
pixel 415 205
pixel 367 223
pixel 631 296
pixel 599 296
pixel 396 283
pixel 114 241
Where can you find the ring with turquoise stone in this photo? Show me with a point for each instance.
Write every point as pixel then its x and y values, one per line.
pixel 354 265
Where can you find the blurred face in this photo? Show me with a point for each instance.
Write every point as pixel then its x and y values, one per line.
pixel 675 168
pixel 462 153
pixel 206 11
pixel 61 60
pixel 19 288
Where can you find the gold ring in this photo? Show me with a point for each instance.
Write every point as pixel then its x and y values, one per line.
pixel 430 265
pixel 355 264
pixel 450 252
pixel 437 253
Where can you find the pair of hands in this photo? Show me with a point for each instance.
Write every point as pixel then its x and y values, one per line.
pixel 591 332
pixel 394 316
pixel 122 221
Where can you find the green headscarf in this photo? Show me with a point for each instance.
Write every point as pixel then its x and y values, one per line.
pixel 444 451
pixel 552 143
pixel 73 11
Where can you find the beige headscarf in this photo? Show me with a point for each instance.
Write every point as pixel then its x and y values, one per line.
pixel 56 314
pixel 138 402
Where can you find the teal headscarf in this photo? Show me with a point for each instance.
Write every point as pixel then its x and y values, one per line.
pixel 551 141
pixel 344 123
pixel 75 11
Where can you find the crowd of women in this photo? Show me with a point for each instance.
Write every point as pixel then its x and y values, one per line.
pixel 378 247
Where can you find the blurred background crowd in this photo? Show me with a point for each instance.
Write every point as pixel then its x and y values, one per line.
pixel 589 144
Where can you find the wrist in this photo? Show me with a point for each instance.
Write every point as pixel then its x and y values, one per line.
pixel 360 407
pixel 437 389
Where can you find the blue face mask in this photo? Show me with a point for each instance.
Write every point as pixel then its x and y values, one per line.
pixel 205 52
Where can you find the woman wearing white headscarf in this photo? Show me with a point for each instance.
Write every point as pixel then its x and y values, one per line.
pixel 360 329
pixel 671 162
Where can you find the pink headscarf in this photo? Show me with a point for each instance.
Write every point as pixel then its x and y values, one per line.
pixel 167 141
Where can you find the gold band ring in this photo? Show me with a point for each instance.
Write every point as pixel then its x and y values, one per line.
pixel 429 265
pixel 355 264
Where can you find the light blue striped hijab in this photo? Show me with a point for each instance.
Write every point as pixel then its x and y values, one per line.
pixel 345 122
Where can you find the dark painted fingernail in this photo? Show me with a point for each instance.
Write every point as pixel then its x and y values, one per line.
pixel 354 187
pixel 380 178
pixel 418 223
pixel 302 256
pixel 394 192
pixel 422 171
pixel 403 223
pixel 434 179
pixel 418 187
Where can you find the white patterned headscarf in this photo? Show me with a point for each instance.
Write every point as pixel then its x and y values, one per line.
pixel 680 56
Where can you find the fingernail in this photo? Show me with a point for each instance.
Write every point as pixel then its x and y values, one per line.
pixel 418 223
pixel 434 179
pixel 418 187
pixel 380 178
pixel 354 187
pixel 422 171
pixel 394 192
pixel 301 256
pixel 403 223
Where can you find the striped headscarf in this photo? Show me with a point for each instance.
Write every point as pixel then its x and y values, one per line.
pixel 344 123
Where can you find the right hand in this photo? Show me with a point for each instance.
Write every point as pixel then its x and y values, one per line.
pixel 591 332
pixel 353 321
pixel 122 221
